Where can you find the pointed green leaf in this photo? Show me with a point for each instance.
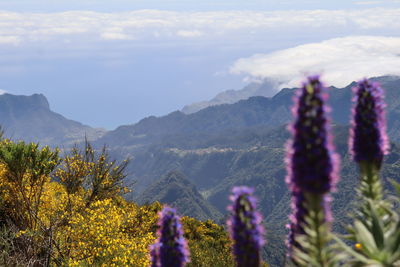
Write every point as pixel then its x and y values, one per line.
pixel 365 237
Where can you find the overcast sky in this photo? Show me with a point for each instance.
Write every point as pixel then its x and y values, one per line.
pixel 107 63
pixel 185 5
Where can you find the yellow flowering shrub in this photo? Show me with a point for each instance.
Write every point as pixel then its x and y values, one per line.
pixel 53 203
pixel 102 235
pixel 70 212
pixel 79 221
pixel 209 243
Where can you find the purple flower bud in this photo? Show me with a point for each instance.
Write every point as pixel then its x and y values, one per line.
pixel 368 140
pixel 170 249
pixel 312 164
pixel 245 228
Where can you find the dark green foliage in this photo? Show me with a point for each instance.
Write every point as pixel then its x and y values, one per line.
pixel 20 158
pixel 176 191
pixel 26 165
pixel 209 244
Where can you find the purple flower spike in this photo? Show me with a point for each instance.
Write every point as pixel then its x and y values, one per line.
pixel 245 227
pixel 312 163
pixel 170 249
pixel 368 140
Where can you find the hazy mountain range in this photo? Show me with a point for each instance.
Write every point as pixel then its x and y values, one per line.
pixel 191 161
pixel 265 88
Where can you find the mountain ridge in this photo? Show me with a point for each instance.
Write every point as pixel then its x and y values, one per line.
pixel 254 111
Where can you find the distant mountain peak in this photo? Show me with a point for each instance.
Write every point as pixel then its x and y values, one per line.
pixel 30 118
pixel 266 88
pixel 35 101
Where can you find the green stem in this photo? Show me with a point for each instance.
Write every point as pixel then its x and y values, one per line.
pixel 319 226
pixel 371 186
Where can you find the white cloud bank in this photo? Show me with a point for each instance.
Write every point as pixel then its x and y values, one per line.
pixel 339 60
pixel 87 26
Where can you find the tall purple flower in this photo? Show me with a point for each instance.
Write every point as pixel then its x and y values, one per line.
pixel 312 164
pixel 170 249
pixel 368 141
pixel 245 227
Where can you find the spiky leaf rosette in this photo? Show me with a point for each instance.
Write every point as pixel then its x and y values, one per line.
pixel 312 167
pixel 170 249
pixel 245 228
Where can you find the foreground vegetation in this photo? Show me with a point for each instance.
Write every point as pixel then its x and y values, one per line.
pixel 70 211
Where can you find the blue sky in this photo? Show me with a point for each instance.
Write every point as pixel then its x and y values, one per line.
pixel 108 63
